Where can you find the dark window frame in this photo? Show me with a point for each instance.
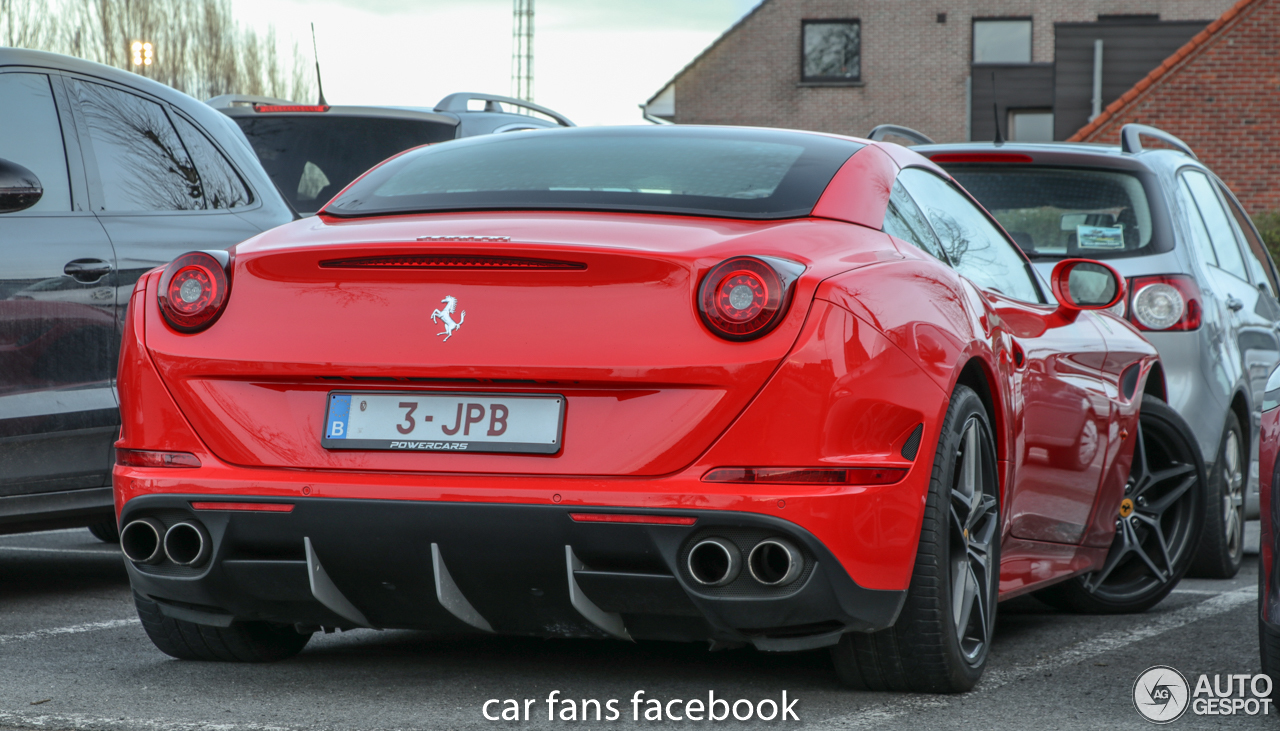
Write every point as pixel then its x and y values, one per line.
pixel 805 78
pixel 175 114
pixel 973 45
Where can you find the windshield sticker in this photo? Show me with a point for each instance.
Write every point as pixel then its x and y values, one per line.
pixel 1100 237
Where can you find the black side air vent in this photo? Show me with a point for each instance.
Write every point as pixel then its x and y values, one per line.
pixel 1129 381
pixel 913 443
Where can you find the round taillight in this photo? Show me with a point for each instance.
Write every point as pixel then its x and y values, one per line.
pixel 742 298
pixel 193 291
pixel 1158 306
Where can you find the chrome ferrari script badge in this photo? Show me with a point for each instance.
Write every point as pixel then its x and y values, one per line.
pixel 475 239
pixel 446 316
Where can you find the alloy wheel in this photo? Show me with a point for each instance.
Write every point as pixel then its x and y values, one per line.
pixel 974 527
pixel 1155 526
pixel 1233 495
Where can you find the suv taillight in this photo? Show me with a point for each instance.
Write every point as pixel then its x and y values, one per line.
pixel 193 290
pixel 745 297
pixel 1165 302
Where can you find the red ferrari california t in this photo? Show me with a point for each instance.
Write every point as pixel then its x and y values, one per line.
pixel 733 385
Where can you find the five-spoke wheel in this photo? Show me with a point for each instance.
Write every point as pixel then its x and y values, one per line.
pixel 1157 527
pixel 943 634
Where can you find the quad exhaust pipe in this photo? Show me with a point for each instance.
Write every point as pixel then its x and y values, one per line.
pixel 775 562
pixel 146 541
pixel 714 562
pixel 186 544
pixel 141 541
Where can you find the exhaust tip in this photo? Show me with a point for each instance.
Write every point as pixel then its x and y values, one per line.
pixel 714 562
pixel 140 541
pixel 775 562
pixel 186 544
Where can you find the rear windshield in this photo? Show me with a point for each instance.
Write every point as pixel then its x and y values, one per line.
pixel 312 157
pixel 1055 212
pixel 726 172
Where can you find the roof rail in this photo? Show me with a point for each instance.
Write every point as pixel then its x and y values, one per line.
pixel 227 101
pixel 884 130
pixel 1131 139
pixel 458 103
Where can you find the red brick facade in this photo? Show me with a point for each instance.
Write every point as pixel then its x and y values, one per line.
pixel 914 69
pixel 1221 94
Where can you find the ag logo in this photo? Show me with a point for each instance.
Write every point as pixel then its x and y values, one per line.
pixel 1160 694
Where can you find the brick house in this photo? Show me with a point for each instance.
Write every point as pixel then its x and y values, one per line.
pixel 949 68
pixel 1220 93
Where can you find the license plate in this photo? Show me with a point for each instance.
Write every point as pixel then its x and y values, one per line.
pixel 444 422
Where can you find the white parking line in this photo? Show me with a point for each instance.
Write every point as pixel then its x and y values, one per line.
pixel 79 721
pixel 106 551
pixel 41 634
pixel 995 679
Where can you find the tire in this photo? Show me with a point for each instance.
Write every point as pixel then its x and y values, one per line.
pixel 930 648
pixel 241 642
pixel 1222 544
pixel 107 531
pixel 1155 542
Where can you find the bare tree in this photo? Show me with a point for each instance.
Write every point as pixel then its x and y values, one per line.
pixel 198 46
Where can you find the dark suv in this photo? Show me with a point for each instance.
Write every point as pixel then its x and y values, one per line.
pixel 103 176
pixel 312 151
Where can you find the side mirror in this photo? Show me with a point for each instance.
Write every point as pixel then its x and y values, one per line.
pixel 1085 284
pixel 19 187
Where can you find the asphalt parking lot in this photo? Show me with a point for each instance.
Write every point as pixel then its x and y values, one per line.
pixel 73 656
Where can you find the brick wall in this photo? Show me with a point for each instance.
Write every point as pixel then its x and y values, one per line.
pixel 1224 100
pixel 914 69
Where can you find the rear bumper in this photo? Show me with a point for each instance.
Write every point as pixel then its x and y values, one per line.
pixel 521 569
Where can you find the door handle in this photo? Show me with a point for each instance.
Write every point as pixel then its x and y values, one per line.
pixel 87 270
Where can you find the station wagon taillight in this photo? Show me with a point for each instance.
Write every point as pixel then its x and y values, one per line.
pixel 1165 302
pixel 193 291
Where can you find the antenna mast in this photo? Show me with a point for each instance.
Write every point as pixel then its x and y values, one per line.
pixel 522 50
pixel 316 54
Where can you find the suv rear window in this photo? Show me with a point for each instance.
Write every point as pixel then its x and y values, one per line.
pixel 1060 212
pixel 312 157
pixel 725 172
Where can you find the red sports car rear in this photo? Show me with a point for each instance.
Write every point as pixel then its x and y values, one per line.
pixel 694 384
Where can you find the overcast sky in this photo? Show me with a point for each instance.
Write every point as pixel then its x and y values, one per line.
pixel 594 60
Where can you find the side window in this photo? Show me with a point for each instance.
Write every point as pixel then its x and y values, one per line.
pixel 1221 234
pixel 974 246
pixel 1199 235
pixel 904 220
pixel 222 187
pixel 1256 256
pixel 32 136
pixel 141 162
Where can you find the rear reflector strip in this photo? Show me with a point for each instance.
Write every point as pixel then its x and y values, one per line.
pixel 807 475
pixel 944 157
pixel 269 108
pixel 632 518
pixel 139 458
pixel 252 507
pixel 448 262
